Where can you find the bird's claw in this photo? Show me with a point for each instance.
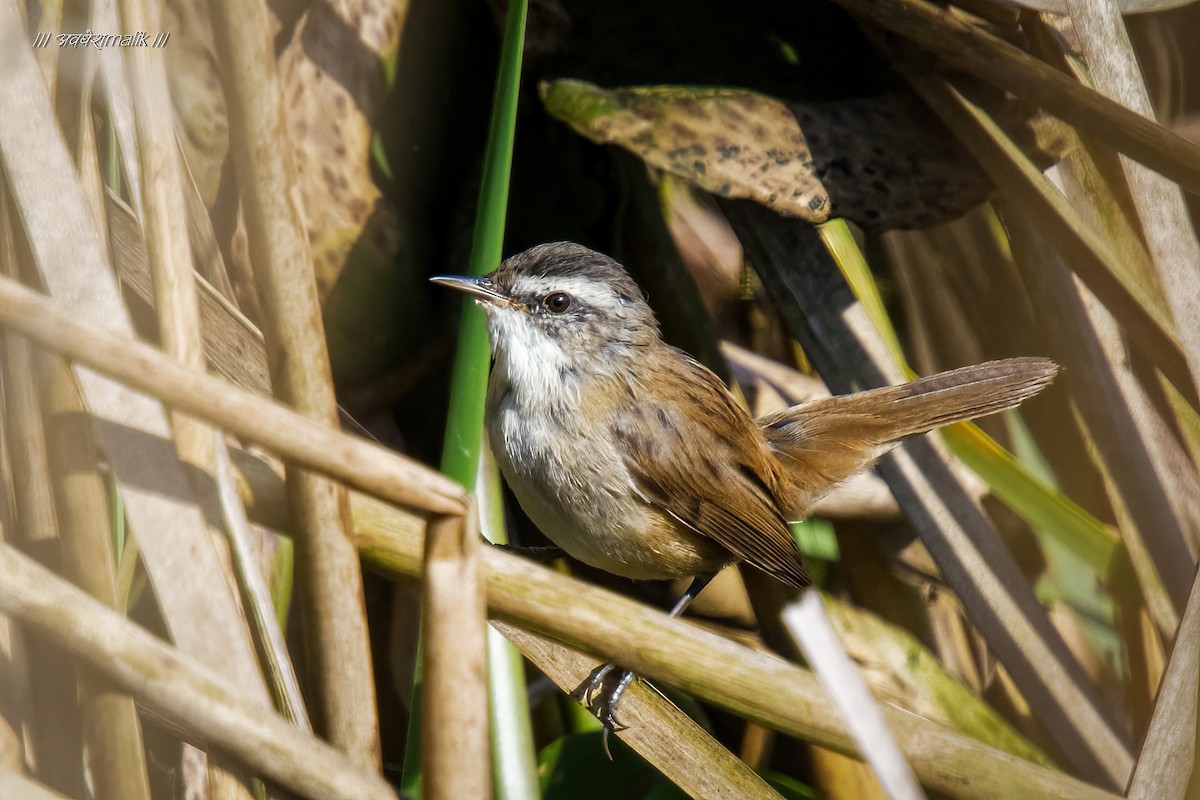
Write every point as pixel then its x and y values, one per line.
pixel 603 702
pixel 606 711
pixel 586 692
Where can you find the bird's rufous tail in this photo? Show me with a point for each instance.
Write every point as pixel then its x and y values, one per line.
pixel 823 442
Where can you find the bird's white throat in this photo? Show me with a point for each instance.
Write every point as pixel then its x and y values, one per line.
pixel 533 364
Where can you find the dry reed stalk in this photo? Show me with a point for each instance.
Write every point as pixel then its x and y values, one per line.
pixel 179 688
pixel 11 755
pixel 269 638
pixel 972 49
pixel 176 304
pixel 758 686
pixel 54 723
pixel 50 21
pixel 334 616
pixel 975 561
pixel 455 755
pixel 118 103
pixel 111 726
pixel 662 734
pixel 810 628
pixel 318 446
pixel 1158 201
pixel 1169 754
pixel 1141 311
pixel 66 251
pixel 838 775
pixel 164 223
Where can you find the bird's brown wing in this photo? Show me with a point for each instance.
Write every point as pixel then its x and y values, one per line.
pixel 727 486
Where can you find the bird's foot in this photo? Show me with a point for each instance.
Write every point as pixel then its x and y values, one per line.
pixel 602 701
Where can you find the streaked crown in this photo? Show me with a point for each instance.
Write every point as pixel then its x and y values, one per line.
pixel 582 299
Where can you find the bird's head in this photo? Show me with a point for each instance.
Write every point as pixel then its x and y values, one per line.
pixel 563 302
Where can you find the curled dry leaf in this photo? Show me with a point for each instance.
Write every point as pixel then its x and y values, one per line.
pixel 881 161
pixel 731 142
pixel 331 71
pixel 369 249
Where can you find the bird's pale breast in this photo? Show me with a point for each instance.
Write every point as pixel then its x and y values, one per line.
pixel 572 482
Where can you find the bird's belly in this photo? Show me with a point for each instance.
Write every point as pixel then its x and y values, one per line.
pixel 578 492
pixel 637 542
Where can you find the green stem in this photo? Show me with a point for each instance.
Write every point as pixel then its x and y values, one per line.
pixel 468 387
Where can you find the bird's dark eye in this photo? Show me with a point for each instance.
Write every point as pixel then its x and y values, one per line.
pixel 558 302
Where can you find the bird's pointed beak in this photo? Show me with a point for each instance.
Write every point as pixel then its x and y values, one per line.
pixel 480 288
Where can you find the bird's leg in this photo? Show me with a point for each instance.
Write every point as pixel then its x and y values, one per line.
pixel 696 587
pixel 604 703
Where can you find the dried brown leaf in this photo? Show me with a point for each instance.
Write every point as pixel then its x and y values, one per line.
pixel 731 142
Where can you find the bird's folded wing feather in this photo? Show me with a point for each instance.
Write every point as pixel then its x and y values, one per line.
pixel 726 486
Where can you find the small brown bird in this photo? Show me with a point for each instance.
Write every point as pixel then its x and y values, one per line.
pixel 634 458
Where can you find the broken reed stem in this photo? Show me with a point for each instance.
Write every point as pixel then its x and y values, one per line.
pixel 455 754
